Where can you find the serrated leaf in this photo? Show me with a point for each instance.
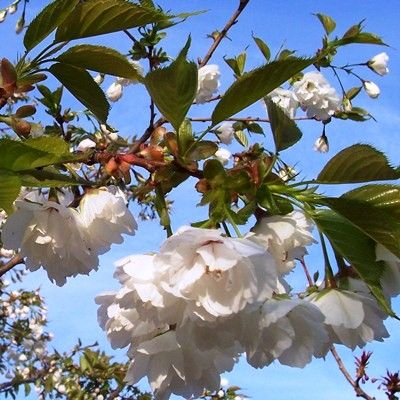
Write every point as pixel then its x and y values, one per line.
pixel 256 84
pixel 100 59
pixel 241 137
pixel 266 52
pixel 202 150
pixel 327 22
pixel 47 21
pixel 357 163
pixel 48 178
pixel 374 222
pixel 255 128
pixel 79 82
pixel 357 248
pixel 97 17
pixel 10 186
pixel 362 38
pixel 284 129
pixel 174 88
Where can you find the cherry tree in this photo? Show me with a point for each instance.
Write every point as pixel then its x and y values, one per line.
pixel 219 288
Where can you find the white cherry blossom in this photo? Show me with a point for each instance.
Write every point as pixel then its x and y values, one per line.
pixel 225 132
pixel 208 82
pixel 372 89
pixel 379 64
pixel 286 100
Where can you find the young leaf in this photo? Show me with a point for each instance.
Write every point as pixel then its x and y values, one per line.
pixel 174 88
pixel 202 150
pixel 97 17
pixel 79 82
pixel 285 131
pixel 263 48
pixel 10 186
pixel 101 59
pixel 256 84
pixel 327 22
pixel 357 163
pixel 48 20
pixel 357 248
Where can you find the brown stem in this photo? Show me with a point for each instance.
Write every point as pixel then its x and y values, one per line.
pixel 11 264
pixel 359 392
pixel 244 119
pixel 232 21
pixel 308 276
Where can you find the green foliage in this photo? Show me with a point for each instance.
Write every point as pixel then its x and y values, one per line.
pixel 10 186
pixel 263 47
pixel 47 21
pixel 173 88
pixel 284 129
pixel 101 59
pixel 80 83
pixel 327 22
pixel 97 17
pixel 357 163
pixel 256 84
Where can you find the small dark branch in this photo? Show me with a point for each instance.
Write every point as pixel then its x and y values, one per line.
pixel 114 394
pixel 215 98
pixel 127 33
pixel 357 389
pixel 246 119
pixel 308 276
pixel 11 264
pixel 232 21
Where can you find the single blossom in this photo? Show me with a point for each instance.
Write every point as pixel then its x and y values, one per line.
pixel 110 134
pixel 372 89
pixel 86 144
pixel 285 237
pixel 99 79
pixel 379 63
pixel 50 235
pixel 208 82
pixel 286 100
pixel 223 155
pixel 316 96
pixel 352 319
pixel 3 15
pixel 12 8
pixel 225 132
pixel 114 92
pixel 321 144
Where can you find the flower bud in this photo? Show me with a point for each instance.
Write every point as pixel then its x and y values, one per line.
pixel 379 63
pixel 21 127
pixel 19 27
pixel 3 14
pixel 371 89
pixel 114 92
pixel 321 144
pixel 347 106
pixel 86 144
pixel 99 79
pixel 12 8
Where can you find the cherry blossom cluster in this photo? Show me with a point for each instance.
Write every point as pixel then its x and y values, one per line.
pixel 191 310
pixel 66 241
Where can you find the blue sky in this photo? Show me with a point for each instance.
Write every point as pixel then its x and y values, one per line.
pixel 72 311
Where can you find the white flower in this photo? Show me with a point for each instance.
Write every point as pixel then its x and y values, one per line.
pixel 322 144
pixel 224 382
pixel 372 89
pixel 99 79
pixel 379 63
pixel 6 253
pixel 86 144
pixel 12 8
pixel 225 132
pixel 352 319
pixel 114 92
pixel 286 100
pixel 221 275
pixel 391 276
pixel 287 330
pixel 285 237
pixel 286 173
pixel 3 15
pixel 110 135
pixel 126 81
pixel 50 235
pixel 316 96
pixel 106 217
pixel 223 155
pixel 208 82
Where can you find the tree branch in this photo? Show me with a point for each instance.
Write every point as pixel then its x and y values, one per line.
pixel 11 264
pixel 232 21
pixel 359 392
pixel 244 119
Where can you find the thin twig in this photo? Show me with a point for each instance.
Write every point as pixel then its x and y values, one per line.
pixel 244 119
pixel 232 21
pixel 308 276
pixel 359 392
pixel 11 264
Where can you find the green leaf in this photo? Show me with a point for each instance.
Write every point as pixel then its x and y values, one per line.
pixel 174 88
pixel 202 150
pixel 101 59
pixel 266 52
pixel 47 20
pixel 185 136
pixel 97 17
pixel 241 137
pixel 48 178
pixel 327 22
pixel 353 92
pixel 285 131
pixel 376 223
pixel 10 186
pixel 256 84
pixel 357 248
pixel 79 82
pixel 357 163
